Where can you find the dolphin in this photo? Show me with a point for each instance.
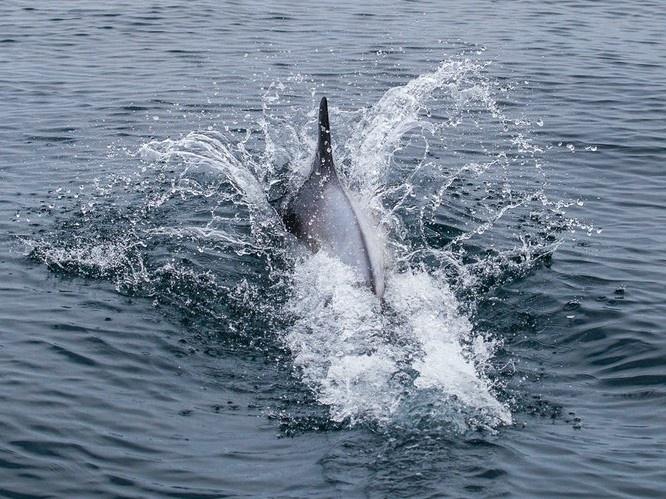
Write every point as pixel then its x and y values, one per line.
pixel 324 215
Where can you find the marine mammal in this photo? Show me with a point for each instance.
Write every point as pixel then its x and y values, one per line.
pixel 325 216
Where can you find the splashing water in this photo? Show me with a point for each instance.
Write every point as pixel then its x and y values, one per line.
pixel 365 359
pixel 454 223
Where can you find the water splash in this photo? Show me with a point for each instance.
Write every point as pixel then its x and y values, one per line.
pixel 366 359
pixel 456 186
pixel 122 261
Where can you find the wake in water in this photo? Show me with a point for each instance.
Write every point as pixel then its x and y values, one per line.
pixel 460 201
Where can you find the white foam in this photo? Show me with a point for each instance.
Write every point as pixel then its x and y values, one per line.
pixel 366 360
pixel 453 357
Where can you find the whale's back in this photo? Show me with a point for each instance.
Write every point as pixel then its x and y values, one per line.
pixel 325 217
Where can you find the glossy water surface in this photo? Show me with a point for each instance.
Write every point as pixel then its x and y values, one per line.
pixel 160 334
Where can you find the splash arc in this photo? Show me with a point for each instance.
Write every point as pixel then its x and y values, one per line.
pixel 324 215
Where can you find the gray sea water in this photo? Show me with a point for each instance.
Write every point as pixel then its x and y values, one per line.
pixel 161 335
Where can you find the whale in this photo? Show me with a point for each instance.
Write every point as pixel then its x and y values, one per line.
pixel 326 216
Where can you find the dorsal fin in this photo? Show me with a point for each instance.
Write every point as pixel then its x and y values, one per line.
pixel 324 159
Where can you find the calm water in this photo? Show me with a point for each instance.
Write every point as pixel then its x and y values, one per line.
pixel 160 334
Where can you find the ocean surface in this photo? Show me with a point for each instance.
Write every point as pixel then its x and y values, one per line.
pixel 161 335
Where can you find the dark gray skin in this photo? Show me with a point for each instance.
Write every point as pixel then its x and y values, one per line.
pixel 324 216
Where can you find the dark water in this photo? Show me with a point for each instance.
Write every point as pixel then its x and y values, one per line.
pixel 160 335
